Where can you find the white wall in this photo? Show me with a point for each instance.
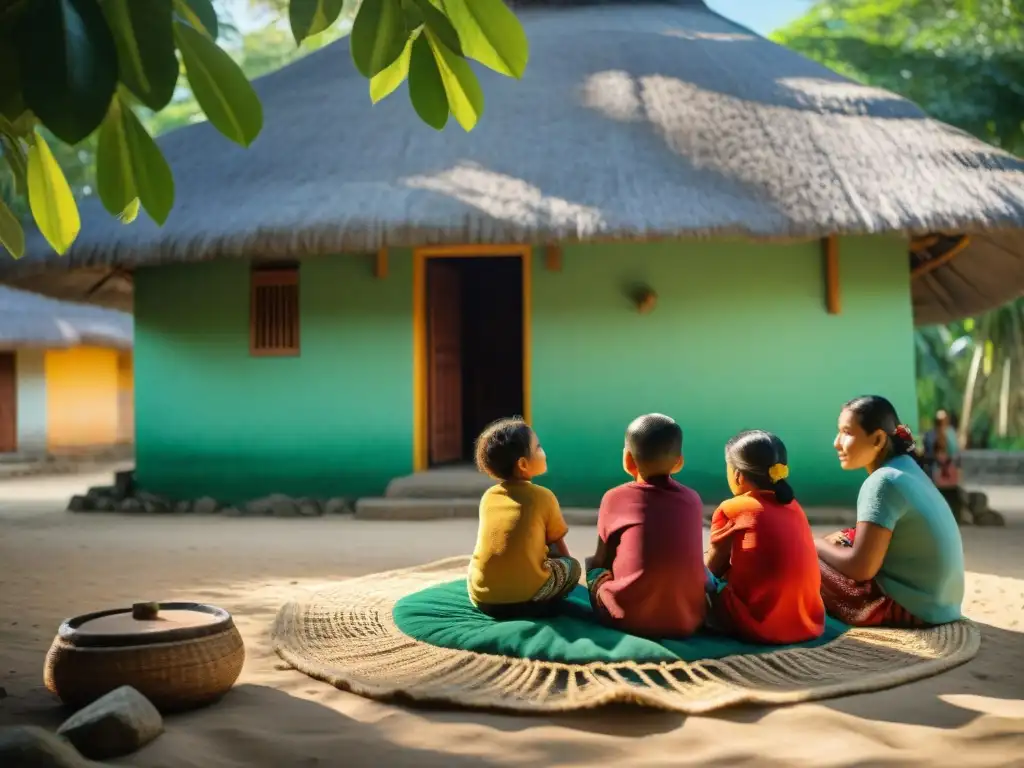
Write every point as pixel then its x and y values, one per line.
pixel 31 401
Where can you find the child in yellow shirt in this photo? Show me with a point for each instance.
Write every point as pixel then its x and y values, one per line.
pixel 521 565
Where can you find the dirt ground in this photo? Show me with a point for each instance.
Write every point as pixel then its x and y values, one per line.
pixel 54 564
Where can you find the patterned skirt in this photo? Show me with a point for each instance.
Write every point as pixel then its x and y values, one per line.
pixel 861 603
pixel 565 575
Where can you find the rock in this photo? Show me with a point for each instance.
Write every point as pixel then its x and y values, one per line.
pixel 130 504
pixel 276 504
pixel 337 506
pixel 28 746
pixel 124 483
pixel 154 507
pixel 80 504
pixel 117 724
pixel 309 507
pixel 232 512
pixel 989 518
pixel 183 507
pixel 977 502
pixel 100 492
pixel 104 504
pixel 207 505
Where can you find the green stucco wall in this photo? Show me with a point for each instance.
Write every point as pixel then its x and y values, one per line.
pixel 739 339
pixel 211 419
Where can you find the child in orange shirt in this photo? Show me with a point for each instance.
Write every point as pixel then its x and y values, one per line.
pixel 762 553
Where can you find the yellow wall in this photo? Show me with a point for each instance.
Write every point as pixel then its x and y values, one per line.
pixel 126 398
pixel 81 397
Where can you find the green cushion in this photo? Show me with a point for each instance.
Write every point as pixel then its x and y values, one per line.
pixel 443 616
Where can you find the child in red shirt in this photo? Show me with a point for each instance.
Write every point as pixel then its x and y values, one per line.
pixel 647 576
pixel 762 545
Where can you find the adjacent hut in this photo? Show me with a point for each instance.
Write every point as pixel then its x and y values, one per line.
pixel 668 213
pixel 65 376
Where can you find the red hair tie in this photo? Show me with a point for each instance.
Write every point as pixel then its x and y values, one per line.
pixel 903 433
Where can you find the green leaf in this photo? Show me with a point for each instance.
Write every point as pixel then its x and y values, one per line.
pixel 68 63
pixel 131 168
pixel 219 85
pixel 12 236
pixel 440 26
pixel 16 161
pixel 131 211
pixel 384 83
pixel 311 17
pixel 378 35
pixel 491 34
pixel 200 14
pixel 50 199
pixel 145 48
pixel 426 88
pixel 465 97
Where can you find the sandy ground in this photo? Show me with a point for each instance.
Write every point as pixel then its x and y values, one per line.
pixel 54 564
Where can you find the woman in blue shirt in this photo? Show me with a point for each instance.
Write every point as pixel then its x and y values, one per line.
pixel 903 565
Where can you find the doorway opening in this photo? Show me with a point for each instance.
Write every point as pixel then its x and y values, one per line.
pixel 475 345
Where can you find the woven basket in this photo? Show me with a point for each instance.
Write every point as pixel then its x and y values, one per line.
pixel 176 670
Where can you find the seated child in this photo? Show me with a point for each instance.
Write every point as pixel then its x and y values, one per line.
pixel 762 542
pixel 521 565
pixel 647 576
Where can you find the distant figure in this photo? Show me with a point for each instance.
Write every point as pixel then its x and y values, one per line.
pixel 941 458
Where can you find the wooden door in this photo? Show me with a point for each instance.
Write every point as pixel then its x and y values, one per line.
pixel 444 344
pixel 8 403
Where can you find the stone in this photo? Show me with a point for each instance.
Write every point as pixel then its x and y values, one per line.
pixel 276 505
pixel 989 518
pixel 80 504
pixel 100 492
pixel 28 746
pixel 207 505
pixel 309 507
pixel 124 483
pixel 130 504
pixel 977 502
pixel 154 507
pixel 232 512
pixel 104 504
pixel 182 507
pixel 119 723
pixel 337 506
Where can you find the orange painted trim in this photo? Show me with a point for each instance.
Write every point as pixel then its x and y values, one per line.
pixel 420 409
pixel 380 266
pixel 945 258
pixel 830 254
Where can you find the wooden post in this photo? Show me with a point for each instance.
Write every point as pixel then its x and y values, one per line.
pixel 830 259
pixel 553 258
pixel 380 267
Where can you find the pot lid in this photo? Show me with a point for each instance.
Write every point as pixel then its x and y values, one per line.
pixel 145 624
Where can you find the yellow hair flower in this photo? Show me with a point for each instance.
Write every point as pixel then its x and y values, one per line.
pixel 778 472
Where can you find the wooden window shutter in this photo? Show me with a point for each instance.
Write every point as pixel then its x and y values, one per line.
pixel 274 312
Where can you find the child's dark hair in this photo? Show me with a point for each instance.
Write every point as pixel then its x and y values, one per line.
pixel 875 413
pixel 655 442
pixel 762 459
pixel 501 445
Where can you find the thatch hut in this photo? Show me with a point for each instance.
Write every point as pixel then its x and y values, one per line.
pixel 65 376
pixel 306 322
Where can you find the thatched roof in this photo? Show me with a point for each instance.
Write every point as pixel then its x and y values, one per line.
pixel 634 120
pixel 30 320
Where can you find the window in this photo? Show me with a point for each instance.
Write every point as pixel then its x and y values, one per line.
pixel 274 311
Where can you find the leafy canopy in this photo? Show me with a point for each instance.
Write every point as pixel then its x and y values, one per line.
pixel 78 73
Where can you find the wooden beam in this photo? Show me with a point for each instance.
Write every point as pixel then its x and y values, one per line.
pixel 380 267
pixel 933 264
pixel 553 258
pixel 830 259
